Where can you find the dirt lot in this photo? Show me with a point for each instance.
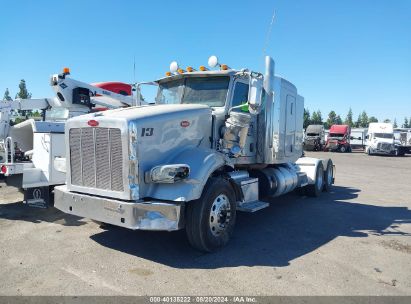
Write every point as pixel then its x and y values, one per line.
pixel 353 241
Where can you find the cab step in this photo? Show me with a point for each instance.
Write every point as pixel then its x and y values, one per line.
pixel 252 206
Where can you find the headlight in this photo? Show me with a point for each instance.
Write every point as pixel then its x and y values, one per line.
pixel 167 174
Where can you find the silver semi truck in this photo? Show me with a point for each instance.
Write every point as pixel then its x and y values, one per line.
pixel 314 138
pixel 217 141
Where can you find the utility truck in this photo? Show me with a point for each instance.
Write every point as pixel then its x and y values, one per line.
pixel 314 139
pixel 338 139
pixel 217 141
pixel 35 149
pixel 380 139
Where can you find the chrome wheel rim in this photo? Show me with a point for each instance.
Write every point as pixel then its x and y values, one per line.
pixel 220 215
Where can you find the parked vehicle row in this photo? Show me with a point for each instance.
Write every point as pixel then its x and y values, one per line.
pixel 378 138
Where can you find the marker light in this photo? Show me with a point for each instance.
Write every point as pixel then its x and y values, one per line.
pixel 180 71
pixel 224 67
pixel 190 69
pixel 66 70
pixel 203 68
pixel 168 73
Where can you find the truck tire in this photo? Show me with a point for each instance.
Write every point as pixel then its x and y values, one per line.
pixel 328 176
pixel 210 220
pixel 369 152
pixel 343 149
pixel 316 189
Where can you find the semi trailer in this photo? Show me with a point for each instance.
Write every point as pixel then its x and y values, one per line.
pixel 216 142
pixel 338 139
pixel 358 138
pixel 35 150
pixel 402 141
pixel 314 138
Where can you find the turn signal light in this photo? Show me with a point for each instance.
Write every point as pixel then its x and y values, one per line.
pixel 168 73
pixel 66 70
pixel 3 169
pixel 203 68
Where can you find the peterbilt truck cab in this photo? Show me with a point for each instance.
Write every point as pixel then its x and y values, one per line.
pixel 214 142
pixel 339 139
pixel 380 139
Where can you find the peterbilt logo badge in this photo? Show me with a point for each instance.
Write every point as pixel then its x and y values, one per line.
pixel 184 123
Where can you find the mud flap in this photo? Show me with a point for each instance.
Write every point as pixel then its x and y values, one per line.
pixel 38 197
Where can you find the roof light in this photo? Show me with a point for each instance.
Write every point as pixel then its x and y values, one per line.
pixel 66 71
pixel 173 67
pixel 168 73
pixel 203 68
pixel 190 69
pixel 213 61
pixel 224 67
pixel 180 71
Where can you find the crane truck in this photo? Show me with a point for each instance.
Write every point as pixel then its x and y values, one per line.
pixel 216 142
pixel 35 149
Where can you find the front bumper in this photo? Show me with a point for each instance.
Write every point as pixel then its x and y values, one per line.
pixel 152 215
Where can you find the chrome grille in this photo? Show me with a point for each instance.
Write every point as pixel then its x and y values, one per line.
pixel 96 158
pixel 384 147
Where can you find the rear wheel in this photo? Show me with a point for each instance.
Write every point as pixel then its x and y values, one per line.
pixel 316 189
pixel 210 219
pixel 328 176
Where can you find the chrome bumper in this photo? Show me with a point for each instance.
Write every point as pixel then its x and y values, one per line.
pixel 152 215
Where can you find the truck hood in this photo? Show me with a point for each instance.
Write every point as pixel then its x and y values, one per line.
pixel 139 112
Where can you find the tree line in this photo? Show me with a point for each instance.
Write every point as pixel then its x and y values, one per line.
pixel 362 121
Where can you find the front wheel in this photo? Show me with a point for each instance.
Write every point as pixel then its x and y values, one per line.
pixel 210 220
pixel 343 149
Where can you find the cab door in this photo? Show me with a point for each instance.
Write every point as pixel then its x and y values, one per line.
pixel 239 100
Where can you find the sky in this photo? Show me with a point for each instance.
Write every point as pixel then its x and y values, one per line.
pixel 339 54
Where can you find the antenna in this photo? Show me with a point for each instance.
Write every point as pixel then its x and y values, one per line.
pixel 267 38
pixel 134 69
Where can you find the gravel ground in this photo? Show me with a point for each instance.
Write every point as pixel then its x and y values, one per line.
pixel 355 240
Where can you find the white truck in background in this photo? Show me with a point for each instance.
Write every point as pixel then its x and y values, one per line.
pixel 216 142
pixel 380 139
pixel 35 149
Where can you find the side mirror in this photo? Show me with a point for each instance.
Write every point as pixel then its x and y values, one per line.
pixel 255 94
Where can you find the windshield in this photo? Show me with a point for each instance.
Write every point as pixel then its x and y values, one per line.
pixel 337 136
pixel 57 114
pixel 384 135
pixel 211 91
